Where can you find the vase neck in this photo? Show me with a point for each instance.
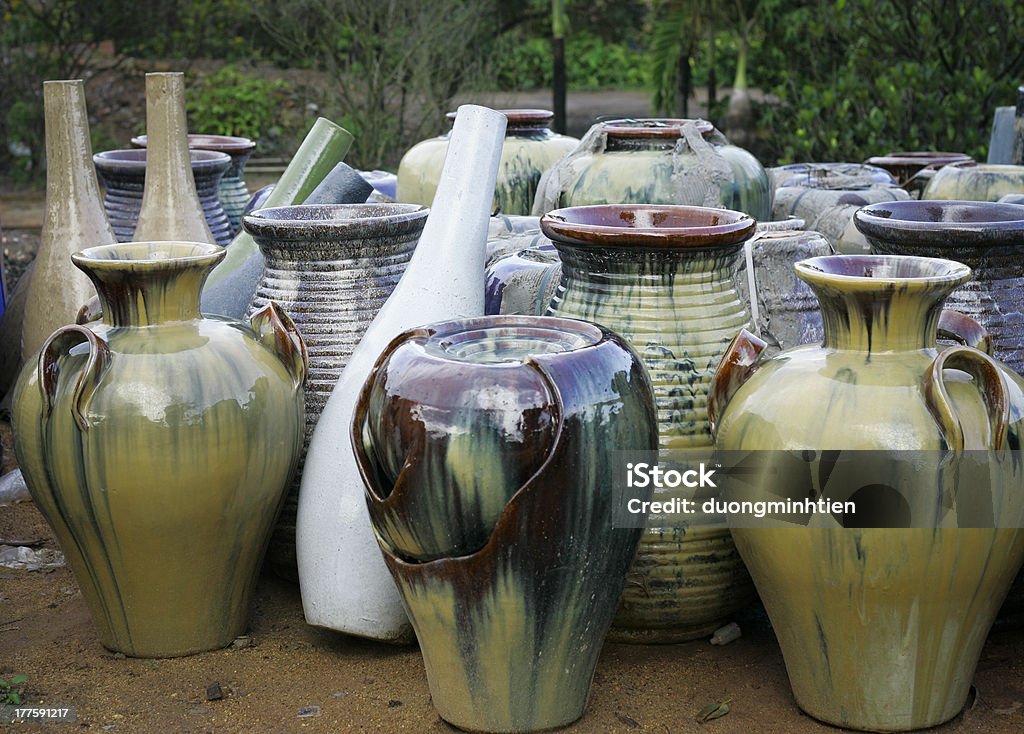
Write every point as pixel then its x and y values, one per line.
pixel 149 283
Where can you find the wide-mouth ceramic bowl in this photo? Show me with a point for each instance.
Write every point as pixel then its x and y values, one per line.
pixel 939 223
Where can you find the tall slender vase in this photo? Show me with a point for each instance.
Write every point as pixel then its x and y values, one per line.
pixel 663 276
pixel 345 584
pixel 74 217
pixel 158 445
pixel 230 287
pixel 170 205
pixel 333 267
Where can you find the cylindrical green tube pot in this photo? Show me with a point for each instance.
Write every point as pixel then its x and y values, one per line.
pixel 488 447
pixel 158 445
pixel 663 277
pixel 880 623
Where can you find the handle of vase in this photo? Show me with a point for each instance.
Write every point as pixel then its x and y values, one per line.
pixel 963 329
pixel 91 311
pixel 991 383
pixel 50 356
pixel 741 360
pixel 278 333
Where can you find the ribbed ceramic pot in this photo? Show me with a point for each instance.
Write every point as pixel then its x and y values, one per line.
pixel 231 191
pixel 880 627
pixel 530 148
pixel 158 445
pixel 333 267
pixel 657 161
pixel 664 278
pixel 488 449
pixel 123 173
pixel 987 237
pixel 972 181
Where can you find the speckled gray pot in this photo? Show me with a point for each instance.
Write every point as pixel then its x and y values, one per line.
pixel 123 174
pixel 331 267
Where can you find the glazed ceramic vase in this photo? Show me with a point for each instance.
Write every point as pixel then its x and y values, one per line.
pixel 74 218
pixel 530 148
pixel 987 237
pixel 232 192
pixel 657 162
pixel 344 582
pixel 524 282
pixel 854 175
pixel 232 284
pixel 333 267
pixel 170 209
pixel 123 173
pixel 488 449
pixel 880 627
pixel 914 169
pixel 975 182
pixel 158 445
pixel 664 278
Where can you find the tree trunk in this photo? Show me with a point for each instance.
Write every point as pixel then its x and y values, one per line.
pixel 558 82
pixel 685 82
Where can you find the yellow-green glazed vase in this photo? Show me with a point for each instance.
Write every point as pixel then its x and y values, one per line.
pixel 158 445
pixel 664 278
pixel 880 627
pixel 488 447
pixel 970 181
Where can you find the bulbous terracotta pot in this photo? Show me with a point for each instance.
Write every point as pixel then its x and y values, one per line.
pixel 158 445
pixel 663 277
pixel 880 627
pixel 488 447
pixel 970 181
pixel 657 161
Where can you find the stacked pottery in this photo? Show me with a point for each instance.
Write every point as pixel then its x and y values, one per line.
pixel 881 622
pixel 530 148
pixel 659 161
pixel 664 278
pixel 344 581
pixel 972 181
pixel 488 449
pixel 231 191
pixel 333 267
pixel 123 173
pixel 158 445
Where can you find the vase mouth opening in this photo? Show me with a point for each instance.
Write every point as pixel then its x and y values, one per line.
pixel 647 225
pixel 652 127
pixel 324 221
pixel 942 224
pixel 834 176
pixel 209 141
pixel 153 256
pixel 921 156
pixel 135 159
pixel 510 340
pixel 882 272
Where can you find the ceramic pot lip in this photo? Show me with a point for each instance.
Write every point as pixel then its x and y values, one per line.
pixel 149 256
pixel 134 160
pixel 942 223
pixel 521 120
pixel 652 127
pixel 466 340
pixel 208 141
pixel 646 226
pixel 322 222
pixel 1012 199
pixel 974 166
pixel 807 174
pixel 882 272
pixel 919 157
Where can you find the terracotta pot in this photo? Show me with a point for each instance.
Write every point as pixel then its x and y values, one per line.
pixel 158 445
pixel 231 191
pixel 975 182
pixel 502 542
pixel 663 277
pixel 345 584
pixel 657 161
pixel 870 638
pixel 333 267
pixel 123 173
pixel 530 148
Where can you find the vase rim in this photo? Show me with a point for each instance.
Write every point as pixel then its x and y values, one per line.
pixel 652 127
pixel 930 222
pixel 647 226
pixel 149 256
pixel 330 221
pixel 983 167
pixel 135 159
pixel 807 174
pixel 209 141
pixel 882 272
pixel 474 339
pixel 903 157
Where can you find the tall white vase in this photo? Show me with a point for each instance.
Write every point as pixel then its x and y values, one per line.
pixel 344 582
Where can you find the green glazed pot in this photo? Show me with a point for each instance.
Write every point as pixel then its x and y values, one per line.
pixel 488 447
pixel 660 161
pixel 530 148
pixel 158 445
pixel 972 181
pixel 663 278
pixel 880 627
